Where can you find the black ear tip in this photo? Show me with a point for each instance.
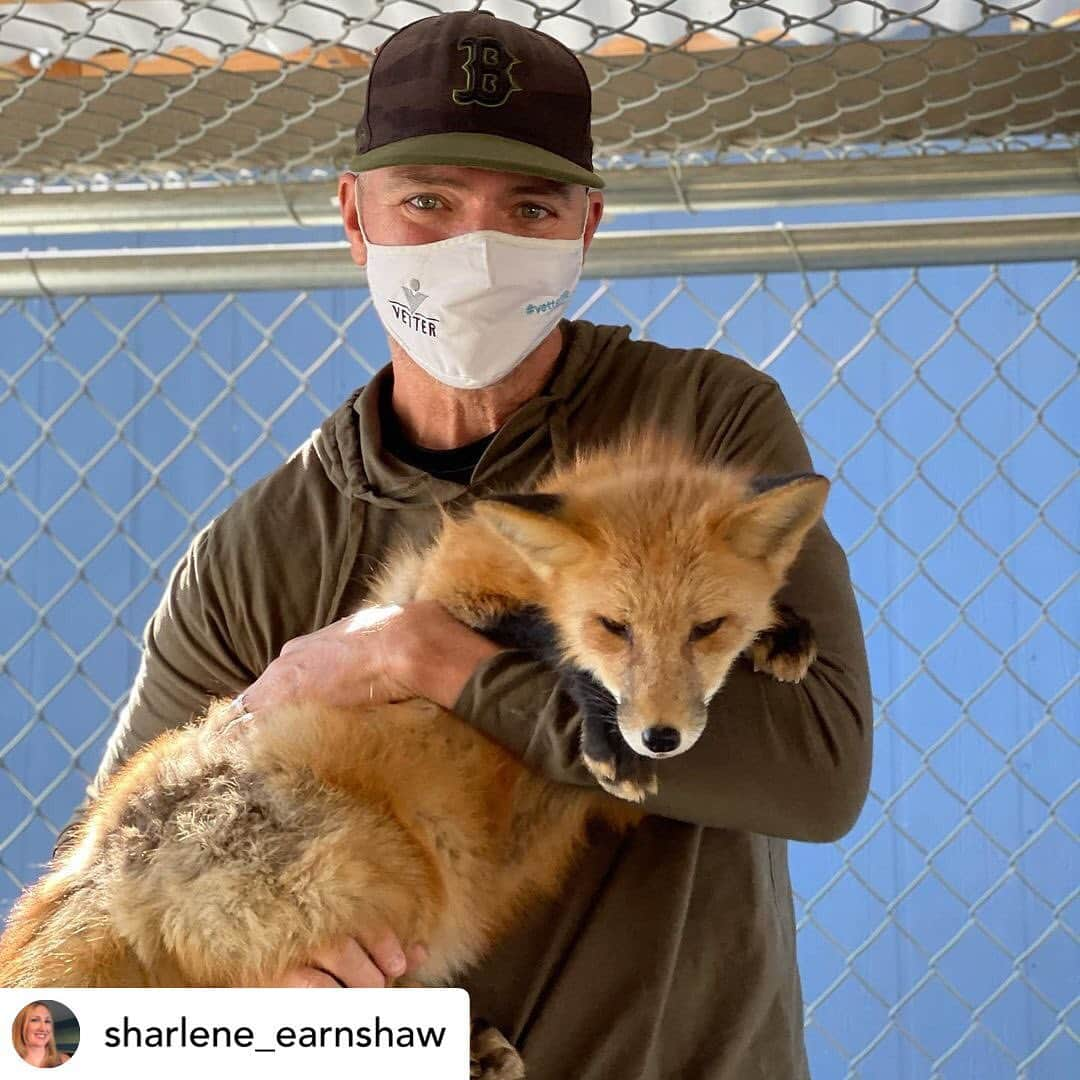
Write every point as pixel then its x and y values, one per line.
pixel 534 503
pixel 760 484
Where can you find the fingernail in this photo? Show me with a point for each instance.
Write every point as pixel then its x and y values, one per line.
pixel 397 964
pixel 236 727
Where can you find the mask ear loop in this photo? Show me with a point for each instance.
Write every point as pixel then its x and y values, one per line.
pixel 588 206
pixel 356 208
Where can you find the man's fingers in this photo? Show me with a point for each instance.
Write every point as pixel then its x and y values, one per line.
pixel 347 963
pixel 385 950
pixel 415 957
pixel 307 978
pixel 282 683
pixel 351 964
pixel 236 727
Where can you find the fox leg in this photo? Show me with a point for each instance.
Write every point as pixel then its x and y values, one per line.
pixel 787 648
pixel 606 754
pixel 491 1056
pixel 618 770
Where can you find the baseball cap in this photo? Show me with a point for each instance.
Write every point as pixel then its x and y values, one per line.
pixel 467 88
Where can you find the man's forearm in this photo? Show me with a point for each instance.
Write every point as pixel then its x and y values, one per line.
pixel 377 655
pixel 782 760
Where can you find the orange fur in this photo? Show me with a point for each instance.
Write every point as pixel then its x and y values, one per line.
pixel 209 861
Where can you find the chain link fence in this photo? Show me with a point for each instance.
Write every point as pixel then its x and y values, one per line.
pixel 939 937
pixel 176 92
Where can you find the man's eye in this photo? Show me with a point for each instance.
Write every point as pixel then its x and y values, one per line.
pixel 704 629
pixel 532 212
pixel 424 202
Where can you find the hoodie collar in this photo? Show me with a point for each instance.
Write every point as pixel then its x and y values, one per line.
pixel 349 443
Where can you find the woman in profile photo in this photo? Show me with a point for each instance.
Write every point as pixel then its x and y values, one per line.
pixel 32 1034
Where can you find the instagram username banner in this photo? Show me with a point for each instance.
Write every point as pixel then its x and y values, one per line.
pixel 403 1034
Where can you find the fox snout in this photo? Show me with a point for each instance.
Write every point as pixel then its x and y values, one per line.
pixel 661 739
pixel 661 708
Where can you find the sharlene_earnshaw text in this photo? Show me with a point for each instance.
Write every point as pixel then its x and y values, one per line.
pixel 184 1034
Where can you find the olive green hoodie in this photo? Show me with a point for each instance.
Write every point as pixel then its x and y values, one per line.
pixel 672 952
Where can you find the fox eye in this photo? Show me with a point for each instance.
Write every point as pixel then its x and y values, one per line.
pixel 619 629
pixel 704 629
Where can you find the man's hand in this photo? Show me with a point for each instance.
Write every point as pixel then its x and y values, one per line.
pixel 371 960
pixel 376 656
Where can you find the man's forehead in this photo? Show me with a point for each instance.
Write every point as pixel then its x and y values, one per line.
pixel 468 178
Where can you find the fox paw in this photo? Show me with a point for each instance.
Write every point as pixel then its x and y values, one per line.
pixel 632 790
pixel 618 770
pixel 787 649
pixel 491 1057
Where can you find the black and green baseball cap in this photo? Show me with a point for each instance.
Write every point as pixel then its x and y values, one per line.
pixel 467 88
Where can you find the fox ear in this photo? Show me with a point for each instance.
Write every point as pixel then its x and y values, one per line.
pixel 534 525
pixel 773 524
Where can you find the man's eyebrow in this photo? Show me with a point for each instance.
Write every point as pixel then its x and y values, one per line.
pixel 532 185
pixel 427 176
pixel 537 185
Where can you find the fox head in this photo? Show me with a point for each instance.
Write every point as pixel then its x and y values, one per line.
pixel 657 578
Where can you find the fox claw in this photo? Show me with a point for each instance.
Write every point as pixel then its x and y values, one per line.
pixel 782 668
pixel 631 778
pixel 491 1056
pixel 630 790
pixel 602 770
pixel 787 649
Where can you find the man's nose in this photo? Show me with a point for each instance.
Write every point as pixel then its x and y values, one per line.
pixel 478 217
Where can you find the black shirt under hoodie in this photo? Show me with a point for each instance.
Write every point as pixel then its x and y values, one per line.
pixel 456 464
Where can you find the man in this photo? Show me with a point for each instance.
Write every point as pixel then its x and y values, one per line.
pixel 672 952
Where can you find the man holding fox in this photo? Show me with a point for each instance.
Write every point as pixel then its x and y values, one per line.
pixel 472 205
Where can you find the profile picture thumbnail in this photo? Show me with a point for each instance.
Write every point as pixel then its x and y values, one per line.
pixel 45 1034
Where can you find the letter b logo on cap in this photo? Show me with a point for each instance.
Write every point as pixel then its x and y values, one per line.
pixel 487 72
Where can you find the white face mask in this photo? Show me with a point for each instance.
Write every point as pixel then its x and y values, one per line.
pixel 469 309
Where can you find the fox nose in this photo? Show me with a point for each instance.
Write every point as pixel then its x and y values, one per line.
pixel 660 740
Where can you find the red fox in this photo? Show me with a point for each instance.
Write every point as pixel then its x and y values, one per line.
pixel 640 573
